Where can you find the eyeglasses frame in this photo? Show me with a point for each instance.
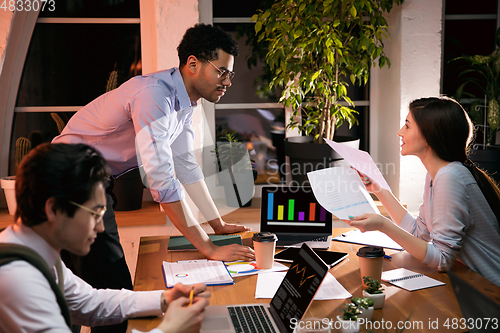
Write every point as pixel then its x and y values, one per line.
pixel 223 74
pixel 97 215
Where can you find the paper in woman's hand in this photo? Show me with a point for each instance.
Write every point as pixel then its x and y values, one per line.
pixel 340 191
pixel 361 161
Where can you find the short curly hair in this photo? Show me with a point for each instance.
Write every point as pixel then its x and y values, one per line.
pixel 60 171
pixel 203 41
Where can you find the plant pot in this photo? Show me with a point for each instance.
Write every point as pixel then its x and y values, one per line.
pixel 278 139
pixel 347 326
pixel 9 186
pixel 128 189
pixel 367 314
pixel 378 299
pixel 306 156
pixel 488 160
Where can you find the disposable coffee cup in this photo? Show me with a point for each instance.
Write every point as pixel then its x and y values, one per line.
pixel 371 260
pixel 264 244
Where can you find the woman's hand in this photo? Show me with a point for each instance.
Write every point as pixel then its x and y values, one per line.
pixel 368 222
pixel 370 185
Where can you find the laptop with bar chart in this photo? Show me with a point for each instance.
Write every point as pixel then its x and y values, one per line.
pixel 295 216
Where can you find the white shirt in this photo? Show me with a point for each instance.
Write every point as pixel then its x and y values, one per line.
pixel 28 304
pixel 146 121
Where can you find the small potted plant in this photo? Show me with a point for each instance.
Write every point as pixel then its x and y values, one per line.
pixel 374 292
pixel 235 170
pixel 349 319
pixel 365 306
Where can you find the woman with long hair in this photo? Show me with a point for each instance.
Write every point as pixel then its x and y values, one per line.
pixel 460 214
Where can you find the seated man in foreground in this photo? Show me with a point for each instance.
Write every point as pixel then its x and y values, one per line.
pixel 60 193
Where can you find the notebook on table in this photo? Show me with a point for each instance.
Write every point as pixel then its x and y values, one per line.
pixel 181 243
pixel 409 280
pixel 292 300
pixel 295 216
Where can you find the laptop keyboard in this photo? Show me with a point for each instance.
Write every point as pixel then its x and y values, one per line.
pixel 250 318
pixel 301 238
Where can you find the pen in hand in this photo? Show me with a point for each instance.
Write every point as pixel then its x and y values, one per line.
pixel 191 295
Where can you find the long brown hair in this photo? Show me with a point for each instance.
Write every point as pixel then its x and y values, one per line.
pixel 448 130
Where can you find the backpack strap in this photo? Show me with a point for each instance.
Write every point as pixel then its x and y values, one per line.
pixel 12 252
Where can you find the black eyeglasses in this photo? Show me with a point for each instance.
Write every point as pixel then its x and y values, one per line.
pixel 98 215
pixel 223 74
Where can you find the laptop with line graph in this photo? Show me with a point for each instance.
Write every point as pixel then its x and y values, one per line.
pixel 295 216
pixel 291 301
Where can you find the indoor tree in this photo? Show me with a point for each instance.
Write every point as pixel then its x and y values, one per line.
pixel 315 50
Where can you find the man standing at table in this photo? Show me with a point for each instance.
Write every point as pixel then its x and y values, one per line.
pixel 154 112
pixel 60 193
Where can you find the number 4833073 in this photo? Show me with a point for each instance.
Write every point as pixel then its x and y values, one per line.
pixel 28 5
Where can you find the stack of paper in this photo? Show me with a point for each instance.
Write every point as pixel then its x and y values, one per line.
pixel 243 268
pixel 210 272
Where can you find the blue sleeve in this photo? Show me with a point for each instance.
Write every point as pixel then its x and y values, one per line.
pixel 152 114
pixel 187 169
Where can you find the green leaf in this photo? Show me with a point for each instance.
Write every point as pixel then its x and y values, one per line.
pixel 353 11
pixel 258 26
pixel 330 56
pixel 315 75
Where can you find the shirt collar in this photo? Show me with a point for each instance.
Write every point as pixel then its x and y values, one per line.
pixel 182 94
pixel 29 238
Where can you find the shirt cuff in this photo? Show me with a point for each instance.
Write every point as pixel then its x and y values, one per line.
pixel 432 257
pixel 147 303
pixel 176 193
pixel 408 222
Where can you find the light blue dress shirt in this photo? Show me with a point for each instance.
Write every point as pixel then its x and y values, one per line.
pixel 457 222
pixel 146 121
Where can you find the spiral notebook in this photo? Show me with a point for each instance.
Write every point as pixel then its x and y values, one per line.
pixel 409 280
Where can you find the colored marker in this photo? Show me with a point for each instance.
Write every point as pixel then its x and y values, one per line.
pixel 387 257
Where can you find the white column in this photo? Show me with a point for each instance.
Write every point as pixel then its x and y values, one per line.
pixel 415 54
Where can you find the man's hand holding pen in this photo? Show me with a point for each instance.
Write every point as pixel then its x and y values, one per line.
pixel 193 292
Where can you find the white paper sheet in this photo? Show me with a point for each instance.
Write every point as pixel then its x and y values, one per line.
pixel 210 272
pixel 243 268
pixel 361 161
pixel 340 191
pixel 371 238
pixel 268 284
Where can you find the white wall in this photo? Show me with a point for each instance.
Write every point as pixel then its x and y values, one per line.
pixel 415 53
pixel 5 20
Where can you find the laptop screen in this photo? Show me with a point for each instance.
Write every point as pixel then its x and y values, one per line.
pixel 301 282
pixel 293 209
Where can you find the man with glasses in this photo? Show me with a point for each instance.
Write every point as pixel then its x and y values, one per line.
pixel 60 193
pixel 154 113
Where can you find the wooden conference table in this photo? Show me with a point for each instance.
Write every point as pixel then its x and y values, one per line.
pixel 428 310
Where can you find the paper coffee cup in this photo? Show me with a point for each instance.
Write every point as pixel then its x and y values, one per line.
pixel 264 244
pixel 371 260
